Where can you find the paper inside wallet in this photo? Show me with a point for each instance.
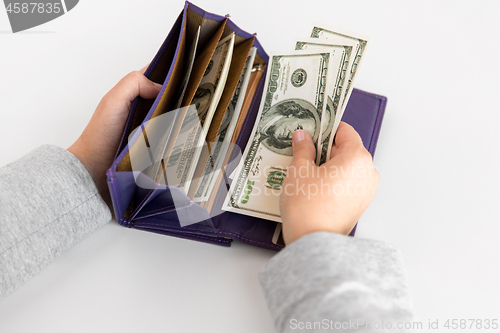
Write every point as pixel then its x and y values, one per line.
pixel 210 33
pixel 239 58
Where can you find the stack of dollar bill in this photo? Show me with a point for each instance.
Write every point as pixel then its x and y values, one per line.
pixel 197 139
pixel 305 89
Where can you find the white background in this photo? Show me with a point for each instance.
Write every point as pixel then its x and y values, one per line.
pixel 438 157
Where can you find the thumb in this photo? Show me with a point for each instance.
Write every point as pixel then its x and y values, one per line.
pixel 303 147
pixel 133 85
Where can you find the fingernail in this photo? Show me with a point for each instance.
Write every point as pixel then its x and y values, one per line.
pixel 298 136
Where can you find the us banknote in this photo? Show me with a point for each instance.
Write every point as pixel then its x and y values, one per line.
pixel 195 120
pixel 359 44
pixel 341 54
pixel 221 146
pixel 294 98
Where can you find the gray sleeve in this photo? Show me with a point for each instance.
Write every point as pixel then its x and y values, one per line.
pixel 48 202
pixel 325 280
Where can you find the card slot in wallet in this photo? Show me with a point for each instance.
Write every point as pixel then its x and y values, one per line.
pixel 166 103
pixel 222 181
pixel 157 71
pixel 240 55
pixel 144 198
pixel 167 68
pixel 201 63
pixel 219 216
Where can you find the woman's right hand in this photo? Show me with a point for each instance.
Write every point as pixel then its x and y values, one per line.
pixel 333 196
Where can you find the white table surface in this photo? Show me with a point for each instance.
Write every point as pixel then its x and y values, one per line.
pixel 437 155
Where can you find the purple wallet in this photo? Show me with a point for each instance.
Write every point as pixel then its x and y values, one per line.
pixel 153 209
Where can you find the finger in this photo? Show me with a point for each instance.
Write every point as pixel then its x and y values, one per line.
pixel 133 85
pixel 334 150
pixel 147 88
pixel 346 136
pixel 303 146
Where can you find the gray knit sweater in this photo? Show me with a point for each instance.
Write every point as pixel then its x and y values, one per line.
pixel 321 282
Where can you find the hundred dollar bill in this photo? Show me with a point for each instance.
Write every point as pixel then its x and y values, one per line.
pixel 168 122
pixel 225 133
pixel 233 155
pixel 360 44
pixel 195 120
pixel 190 62
pixel 293 98
pixel 336 88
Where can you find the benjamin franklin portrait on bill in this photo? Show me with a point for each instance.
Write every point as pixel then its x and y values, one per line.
pixel 278 124
pixel 201 101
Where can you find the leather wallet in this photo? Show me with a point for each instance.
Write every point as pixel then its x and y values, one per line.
pixel 153 209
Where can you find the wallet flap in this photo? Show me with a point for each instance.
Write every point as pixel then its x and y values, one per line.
pixel 159 71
